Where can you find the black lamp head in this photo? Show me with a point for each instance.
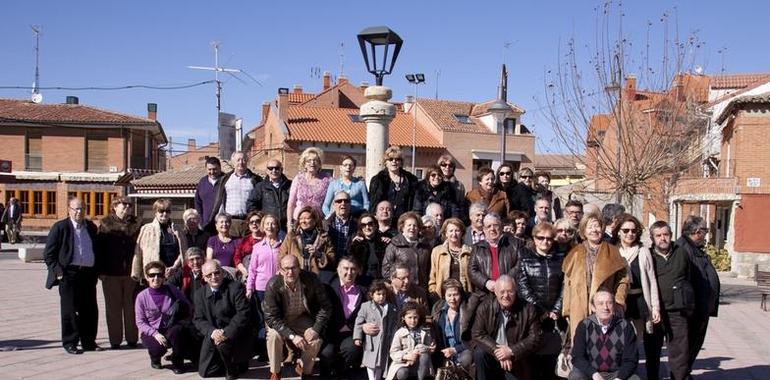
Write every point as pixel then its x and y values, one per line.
pixel 379 40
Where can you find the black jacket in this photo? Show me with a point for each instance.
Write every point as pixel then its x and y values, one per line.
pixel 703 278
pixel 271 200
pixel 115 243
pixel 507 253
pixel 669 273
pixel 338 320
pixel 361 250
pixel 59 248
pixel 521 197
pixel 540 280
pixel 378 192
pixel 316 303
pixel 444 195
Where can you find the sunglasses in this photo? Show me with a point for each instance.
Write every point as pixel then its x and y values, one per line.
pixel 342 200
pixel 446 165
pixel 542 238
pixel 505 173
pixel 255 222
pixel 155 275
pixel 627 230
pixel 394 159
pixel 525 176
pixel 272 168
pixel 212 274
pixel 368 224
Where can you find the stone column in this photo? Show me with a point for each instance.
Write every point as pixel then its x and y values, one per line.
pixel 377 114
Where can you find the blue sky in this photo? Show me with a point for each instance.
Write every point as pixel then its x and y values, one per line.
pixel 111 43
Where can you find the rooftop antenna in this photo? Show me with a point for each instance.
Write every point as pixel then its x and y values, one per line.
pixel 218 69
pixel 37 97
pixel 438 74
pixel 341 51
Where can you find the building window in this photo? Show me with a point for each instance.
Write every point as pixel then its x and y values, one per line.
pixel 50 203
pixel 37 202
pixel 94 204
pixel 510 126
pixel 99 203
pixel 478 164
pixel 96 154
pixel 464 119
pixel 418 173
pixel 33 151
pixel 24 201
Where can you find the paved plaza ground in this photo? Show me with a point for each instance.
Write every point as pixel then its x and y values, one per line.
pixel 737 345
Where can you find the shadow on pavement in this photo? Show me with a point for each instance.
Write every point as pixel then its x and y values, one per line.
pixel 753 372
pixel 27 344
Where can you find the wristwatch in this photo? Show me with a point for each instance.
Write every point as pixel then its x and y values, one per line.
pixel 292 336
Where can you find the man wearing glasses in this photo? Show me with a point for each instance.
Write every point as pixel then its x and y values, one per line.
pixel 340 224
pixel 703 278
pixel 70 258
pixel 271 196
pixel 222 316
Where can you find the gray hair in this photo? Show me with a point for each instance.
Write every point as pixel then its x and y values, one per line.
pixel 194 251
pixel 611 211
pixel 476 207
pixel 692 224
pixel 224 216
pixel 429 218
pixel 338 192
pixel 433 206
pixel 491 216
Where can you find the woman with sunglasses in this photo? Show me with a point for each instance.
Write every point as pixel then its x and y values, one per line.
pixel 433 189
pixel 393 184
pixel 368 248
pixel 160 310
pixel 115 244
pixel 642 301
pixel 354 186
pixel 566 238
pixel 160 240
pixel 540 279
pixel 244 245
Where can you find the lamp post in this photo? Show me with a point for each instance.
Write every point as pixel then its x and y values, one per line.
pixel 415 79
pixel 380 47
pixel 499 109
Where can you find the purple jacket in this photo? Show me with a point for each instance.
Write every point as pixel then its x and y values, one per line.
pixel 149 317
pixel 204 199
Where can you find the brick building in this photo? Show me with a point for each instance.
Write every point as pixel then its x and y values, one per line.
pixel 61 150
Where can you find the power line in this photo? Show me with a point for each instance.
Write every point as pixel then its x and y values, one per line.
pixel 111 88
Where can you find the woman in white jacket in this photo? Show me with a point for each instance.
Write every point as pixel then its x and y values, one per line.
pixel 642 301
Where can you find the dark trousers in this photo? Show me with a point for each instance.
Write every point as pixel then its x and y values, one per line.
pixel 119 296
pixel 221 363
pixel 340 356
pixel 79 313
pixel 673 328
pixel 487 367
pixel 543 366
pixel 190 342
pixel 156 350
pixel 697 335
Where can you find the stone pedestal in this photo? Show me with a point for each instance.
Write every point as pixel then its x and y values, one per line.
pixel 377 114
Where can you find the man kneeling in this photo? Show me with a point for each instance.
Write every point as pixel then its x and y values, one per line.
pixel 605 344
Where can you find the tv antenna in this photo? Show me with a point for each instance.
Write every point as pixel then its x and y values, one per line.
pixel 219 69
pixel 37 97
pixel 341 52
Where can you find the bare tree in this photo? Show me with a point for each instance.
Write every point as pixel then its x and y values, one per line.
pixel 632 141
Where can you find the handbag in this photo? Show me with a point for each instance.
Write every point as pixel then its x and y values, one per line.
pixel 452 371
pixel 564 360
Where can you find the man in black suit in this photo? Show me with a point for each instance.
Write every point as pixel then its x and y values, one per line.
pixel 222 316
pixel 69 256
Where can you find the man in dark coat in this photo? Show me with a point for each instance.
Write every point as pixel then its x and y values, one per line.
pixel 189 280
pixel 704 281
pixel 271 196
pixel 341 227
pixel 222 317
pixel 206 190
pixel 339 356
pixel 69 256
pixel 506 332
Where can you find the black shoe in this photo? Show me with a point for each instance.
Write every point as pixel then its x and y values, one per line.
pixel 178 369
pixel 132 345
pixel 155 364
pixel 72 350
pixel 95 348
pixel 114 347
pixel 231 376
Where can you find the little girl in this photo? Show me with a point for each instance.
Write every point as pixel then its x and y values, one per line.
pixel 375 323
pixel 412 345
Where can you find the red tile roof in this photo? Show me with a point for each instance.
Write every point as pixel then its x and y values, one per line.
pixel 300 97
pixel 12 110
pixel 443 111
pixel 737 80
pixel 334 125
pixel 184 178
pixel 557 161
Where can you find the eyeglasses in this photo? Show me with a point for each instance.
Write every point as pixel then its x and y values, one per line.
pixel 272 168
pixel 255 222
pixel 547 239
pixel 702 230
pixel 525 176
pixel 212 274
pixel 77 209
pixel 394 159
pixel 368 224
pixel 505 173
pixel 164 211
pixel 564 231
pixel 446 165
pixel 155 275
pixel 126 204
pixel 345 200
pixel 627 230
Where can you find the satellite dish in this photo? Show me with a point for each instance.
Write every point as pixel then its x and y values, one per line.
pixel 37 98
pixel 698 69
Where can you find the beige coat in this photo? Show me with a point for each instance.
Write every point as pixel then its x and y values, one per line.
pixel 293 245
pixel 401 345
pixel 439 268
pixel 148 247
pixel 609 271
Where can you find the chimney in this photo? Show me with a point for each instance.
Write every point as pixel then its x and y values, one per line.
pixel 630 87
pixel 363 85
pixel 297 88
pixel 152 111
pixel 73 100
pixel 408 103
pixel 327 80
pixel 342 79
pixel 283 103
pixel 191 145
pixel 265 110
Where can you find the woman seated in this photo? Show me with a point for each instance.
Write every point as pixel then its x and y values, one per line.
pixel 448 315
pixel 310 244
pixel 160 310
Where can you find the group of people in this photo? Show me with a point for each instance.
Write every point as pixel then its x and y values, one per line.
pixel 10 220
pixel 392 280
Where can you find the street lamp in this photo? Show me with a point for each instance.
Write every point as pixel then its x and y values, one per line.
pixel 415 79
pixel 380 40
pixel 499 109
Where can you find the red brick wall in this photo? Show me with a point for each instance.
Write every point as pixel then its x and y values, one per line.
pixel 750 150
pixel 750 219
pixel 64 150
pixel 12 141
